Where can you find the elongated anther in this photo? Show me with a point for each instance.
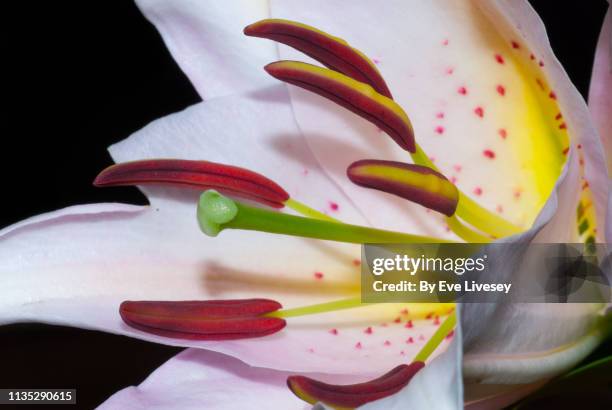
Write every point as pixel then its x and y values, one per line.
pixel 203 320
pixel 358 97
pixel 217 212
pixel 329 50
pixel 416 183
pixel 198 175
pixel 354 395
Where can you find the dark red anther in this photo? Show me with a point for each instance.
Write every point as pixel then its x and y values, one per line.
pixel 203 320
pixel 329 50
pixel 201 175
pixel 354 395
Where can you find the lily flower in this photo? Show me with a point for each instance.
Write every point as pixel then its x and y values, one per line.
pixel 483 109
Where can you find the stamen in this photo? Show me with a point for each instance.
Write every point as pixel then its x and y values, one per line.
pixel 413 182
pixel 434 341
pixel 198 175
pixel 329 50
pixel 354 395
pixel 355 96
pixel 469 210
pixel 417 311
pixel 216 212
pixel 204 320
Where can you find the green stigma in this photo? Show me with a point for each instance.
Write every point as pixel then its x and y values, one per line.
pixel 214 210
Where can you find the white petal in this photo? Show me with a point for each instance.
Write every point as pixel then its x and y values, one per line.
pixel 206 40
pixel 600 93
pixel 197 379
pixel 253 130
pixel 437 386
pixel 427 51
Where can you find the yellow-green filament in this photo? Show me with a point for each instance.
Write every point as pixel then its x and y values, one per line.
pixel 469 210
pixel 464 232
pixel 305 210
pixel 319 308
pixel 215 213
pixel 434 341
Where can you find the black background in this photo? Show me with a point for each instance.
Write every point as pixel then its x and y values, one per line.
pixel 80 75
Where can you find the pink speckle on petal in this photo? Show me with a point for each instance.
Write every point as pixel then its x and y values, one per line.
pixel 479 111
pixel 565 151
pixel 450 334
pixel 305 171
pixel 334 331
pixel 552 95
pixel 410 340
pixel 358 345
pixel 436 320
pixel 501 90
pixel 356 262
pixel 502 133
pixel 457 167
pixel 541 63
pixel 440 115
pixel 449 70
pixel 562 126
pixel 397 320
pixel 499 58
pixel 333 206
pixel 375 60
pixel 558 116
pixel 531 56
pixel 409 324
pixel 478 191
pixel 462 90
pixel 453 180
pixel 310 350
pixel 318 275
pixel 404 311
pixel 432 159
pixel 368 330
pixel 445 42
pixel 499 209
pixel 515 44
pixel 439 129
pixel 402 353
pixel 488 153
pixel 421 337
pixel 387 343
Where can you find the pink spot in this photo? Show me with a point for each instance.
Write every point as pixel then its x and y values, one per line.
pixel 356 262
pixel 404 311
pixel 562 126
pixel 565 151
pixel 450 334
pixel 517 193
pixel 541 63
pixel 409 324
pixel 540 83
pixel 479 111
pixel 384 325
pixel 457 167
pixel 552 95
pixel 579 146
pixel 318 275
pixel 358 345
pixel 440 115
pixel 478 191
pixel 310 350
pixel 397 320
pixel 581 161
pixel 488 153
pixel 432 159
pixel 531 56
pixel 421 337
pixel 439 129
pixel 375 60
pixel 429 315
pixel 334 331
pixel 453 180
pixel 436 320
pixel 333 206
pixel 515 44
pixel 387 343
pixel 402 353
pixel 368 330
pixel 445 42
pixel 462 90
pixel 502 133
pixel 499 209
pixel 585 185
pixel 499 58
pixel 558 116
pixel 501 90
pixel 305 171
pixel 449 70
pixel 410 340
